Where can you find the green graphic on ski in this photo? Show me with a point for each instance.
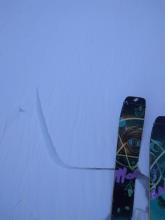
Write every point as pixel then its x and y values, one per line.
pixel 157 170
pixel 128 147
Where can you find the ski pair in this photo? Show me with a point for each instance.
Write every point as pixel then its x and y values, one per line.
pixel 130 132
pixel 126 171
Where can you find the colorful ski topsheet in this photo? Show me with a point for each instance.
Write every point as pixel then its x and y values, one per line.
pixel 157 170
pixel 128 147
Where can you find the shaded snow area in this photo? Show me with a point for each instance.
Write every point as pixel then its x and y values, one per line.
pixel 65 69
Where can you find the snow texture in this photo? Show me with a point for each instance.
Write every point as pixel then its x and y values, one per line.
pixel 65 69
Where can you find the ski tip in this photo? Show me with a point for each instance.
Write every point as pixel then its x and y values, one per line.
pixel 134 101
pixel 160 120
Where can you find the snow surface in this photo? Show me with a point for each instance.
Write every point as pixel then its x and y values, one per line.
pixel 82 58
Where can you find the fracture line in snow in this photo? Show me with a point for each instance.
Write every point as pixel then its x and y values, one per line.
pixel 50 145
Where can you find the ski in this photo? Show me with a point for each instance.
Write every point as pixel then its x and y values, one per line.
pixel 128 147
pixel 157 170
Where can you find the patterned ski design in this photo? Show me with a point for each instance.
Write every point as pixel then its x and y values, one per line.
pixel 128 147
pixel 157 170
